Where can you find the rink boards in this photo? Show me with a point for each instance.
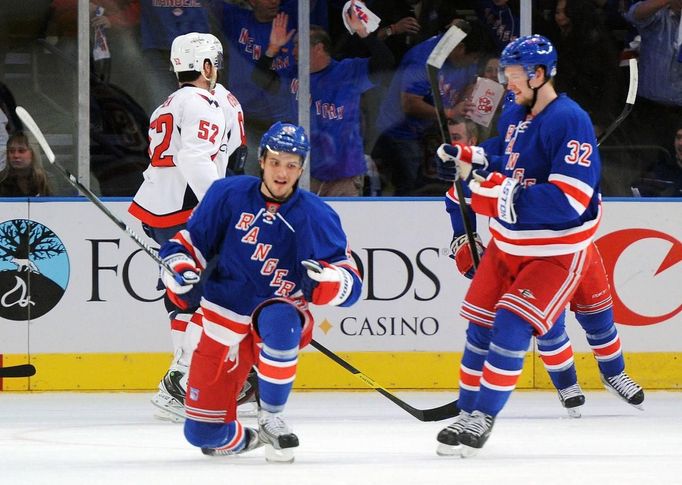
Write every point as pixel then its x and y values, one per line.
pixel 78 298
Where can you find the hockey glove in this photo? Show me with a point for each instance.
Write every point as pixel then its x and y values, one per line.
pixel 492 194
pixel 457 160
pixel 461 253
pixel 325 284
pixel 186 271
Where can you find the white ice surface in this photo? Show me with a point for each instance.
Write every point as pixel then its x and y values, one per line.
pixel 346 438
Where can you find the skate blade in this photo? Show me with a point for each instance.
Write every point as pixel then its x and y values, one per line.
pixel 639 406
pixel 248 410
pixel 167 417
pixel 164 413
pixel 574 412
pixel 468 451
pixel 274 455
pixel 448 450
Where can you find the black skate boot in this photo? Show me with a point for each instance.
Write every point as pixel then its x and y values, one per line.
pixel 572 398
pixel 448 438
pixel 247 400
pixel 625 388
pixel 475 433
pixel 252 442
pixel 170 398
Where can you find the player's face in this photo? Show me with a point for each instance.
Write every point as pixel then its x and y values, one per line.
pixel 517 82
pixel 19 155
pixel 281 171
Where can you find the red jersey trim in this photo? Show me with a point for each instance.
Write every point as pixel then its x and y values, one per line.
pixel 153 220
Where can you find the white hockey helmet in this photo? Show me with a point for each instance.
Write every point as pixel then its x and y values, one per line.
pixel 189 51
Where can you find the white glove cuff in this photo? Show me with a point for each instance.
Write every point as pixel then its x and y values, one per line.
pixel 505 201
pixel 478 158
pixel 345 286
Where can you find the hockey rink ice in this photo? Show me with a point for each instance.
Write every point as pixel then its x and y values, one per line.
pixel 346 438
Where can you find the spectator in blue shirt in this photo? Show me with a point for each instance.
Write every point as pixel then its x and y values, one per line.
pixel 407 112
pixel 160 23
pixel 337 160
pixel 659 98
pixel 247 34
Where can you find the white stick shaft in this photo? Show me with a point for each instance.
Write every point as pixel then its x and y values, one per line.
pixel 27 119
pixel 449 41
pixel 634 81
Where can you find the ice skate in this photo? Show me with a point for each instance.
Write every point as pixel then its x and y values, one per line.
pixel 252 442
pixel 247 400
pixel 625 388
pixel 572 398
pixel 448 438
pixel 170 398
pixel 278 438
pixel 475 433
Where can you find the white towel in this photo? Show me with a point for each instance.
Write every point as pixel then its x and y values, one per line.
pixel 367 17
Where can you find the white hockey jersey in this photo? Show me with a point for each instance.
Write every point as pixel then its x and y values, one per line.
pixel 235 136
pixel 185 136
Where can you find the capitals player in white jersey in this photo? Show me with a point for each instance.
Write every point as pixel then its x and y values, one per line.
pixel 542 195
pixel 277 248
pixel 193 135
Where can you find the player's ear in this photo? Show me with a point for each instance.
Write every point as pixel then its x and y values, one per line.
pixel 208 68
pixel 541 70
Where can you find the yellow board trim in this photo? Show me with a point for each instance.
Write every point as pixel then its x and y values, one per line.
pixel 391 370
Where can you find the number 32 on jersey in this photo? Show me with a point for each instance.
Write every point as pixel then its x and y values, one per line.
pixel 578 153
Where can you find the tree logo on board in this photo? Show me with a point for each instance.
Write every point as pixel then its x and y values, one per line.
pixel 34 269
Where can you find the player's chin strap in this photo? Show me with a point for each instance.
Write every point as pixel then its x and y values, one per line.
pixel 535 90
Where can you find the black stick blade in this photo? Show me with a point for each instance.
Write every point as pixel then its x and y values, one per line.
pixel 23 370
pixel 446 411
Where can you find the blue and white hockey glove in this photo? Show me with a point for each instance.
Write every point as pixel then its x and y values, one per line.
pixel 458 160
pixel 325 284
pixel 190 275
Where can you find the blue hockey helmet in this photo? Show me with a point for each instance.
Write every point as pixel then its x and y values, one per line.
pixel 287 138
pixel 529 51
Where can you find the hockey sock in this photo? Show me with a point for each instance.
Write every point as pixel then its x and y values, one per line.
pixel 178 324
pixel 224 436
pixel 471 366
pixel 190 340
pixel 508 345
pixel 279 326
pixel 556 353
pixel 603 338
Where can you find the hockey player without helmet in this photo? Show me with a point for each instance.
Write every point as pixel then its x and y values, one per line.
pixel 529 51
pixel 189 51
pixel 287 138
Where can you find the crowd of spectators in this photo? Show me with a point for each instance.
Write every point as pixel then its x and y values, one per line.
pixel 371 102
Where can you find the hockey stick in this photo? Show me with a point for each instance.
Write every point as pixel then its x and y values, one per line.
pixel 435 414
pixel 629 101
pixel 435 61
pixel 35 130
pixel 23 370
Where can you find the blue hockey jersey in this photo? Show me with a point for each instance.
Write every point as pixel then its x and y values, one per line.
pixel 259 245
pixel 555 158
